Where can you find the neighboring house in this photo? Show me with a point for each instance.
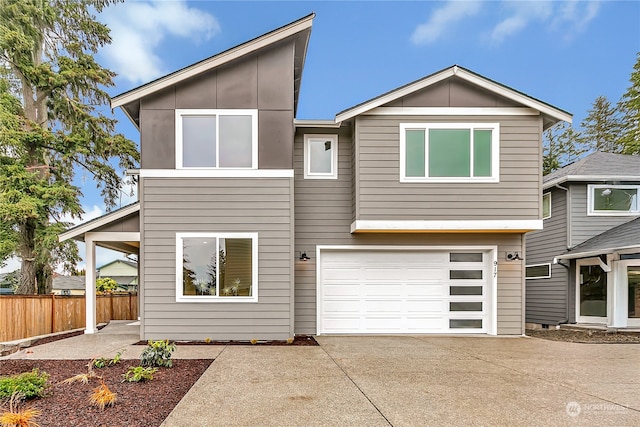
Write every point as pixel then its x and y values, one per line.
pixel 592 232
pixel 403 214
pixel 124 272
pixel 69 285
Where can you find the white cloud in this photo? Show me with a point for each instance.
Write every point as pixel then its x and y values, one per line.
pixel 442 20
pixel 573 16
pixel 138 28
pixel 522 13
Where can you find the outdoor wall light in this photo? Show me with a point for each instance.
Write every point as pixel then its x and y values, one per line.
pixel 304 257
pixel 514 256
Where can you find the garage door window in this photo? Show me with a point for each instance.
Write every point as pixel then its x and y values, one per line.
pixel 465 257
pixel 465 323
pixel 465 290
pixel 465 274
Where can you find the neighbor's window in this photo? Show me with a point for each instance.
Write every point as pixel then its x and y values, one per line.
pixel 321 156
pixel 613 199
pixel 546 205
pixel 211 266
pixel 453 152
pixel 216 139
pixel 538 271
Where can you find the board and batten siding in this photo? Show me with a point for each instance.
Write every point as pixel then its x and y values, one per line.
pixel 547 299
pixel 380 194
pixel 323 215
pixel 583 226
pixel 243 205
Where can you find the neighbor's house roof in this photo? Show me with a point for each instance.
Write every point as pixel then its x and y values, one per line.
pixel 69 282
pixel 597 166
pixel 551 114
pixel 121 261
pixel 623 238
pixel 300 29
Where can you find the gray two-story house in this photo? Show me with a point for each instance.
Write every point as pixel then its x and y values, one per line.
pixel 584 266
pixel 403 214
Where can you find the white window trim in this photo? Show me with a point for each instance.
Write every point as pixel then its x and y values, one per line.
pixel 590 200
pixel 180 297
pixel 334 156
pixel 217 112
pixel 537 277
pixel 495 152
pixel 543 196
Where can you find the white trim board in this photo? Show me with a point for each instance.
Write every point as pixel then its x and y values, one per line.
pixel 594 178
pixel 99 222
pixel 216 173
pixel 452 111
pixel 359 226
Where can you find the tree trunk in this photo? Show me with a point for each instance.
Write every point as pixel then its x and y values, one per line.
pixel 27 284
pixel 44 279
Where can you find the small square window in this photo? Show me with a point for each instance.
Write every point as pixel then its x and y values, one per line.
pixel 546 205
pixel 613 200
pixel 321 156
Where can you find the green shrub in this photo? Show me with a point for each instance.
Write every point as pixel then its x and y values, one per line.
pixel 106 285
pixel 158 353
pixel 27 384
pixel 102 362
pixel 136 374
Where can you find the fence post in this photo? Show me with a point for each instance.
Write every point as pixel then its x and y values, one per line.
pixel 130 306
pixel 53 312
pixel 110 307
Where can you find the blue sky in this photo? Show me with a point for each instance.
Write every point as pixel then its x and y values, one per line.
pixel 565 53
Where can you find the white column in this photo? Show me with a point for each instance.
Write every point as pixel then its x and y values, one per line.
pixel 619 297
pixel 90 292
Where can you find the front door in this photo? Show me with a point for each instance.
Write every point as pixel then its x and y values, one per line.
pixel 591 292
pixel 632 283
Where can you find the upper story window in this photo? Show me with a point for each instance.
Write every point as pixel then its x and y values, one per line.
pixel 613 199
pixel 449 152
pixel 217 139
pixel 546 205
pixel 321 156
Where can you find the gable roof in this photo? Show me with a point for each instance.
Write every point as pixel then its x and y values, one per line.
pixel 69 282
pixel 623 237
pixel 597 166
pixel 122 261
pixel 300 28
pixel 77 232
pixel 551 114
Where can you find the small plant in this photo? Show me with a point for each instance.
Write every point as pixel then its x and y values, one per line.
pixel 15 417
pixel 103 361
pixel 158 353
pixel 102 396
pixel 290 340
pixel 135 374
pixel 83 378
pixel 27 385
pixel 207 340
pixel 254 341
pixel 106 285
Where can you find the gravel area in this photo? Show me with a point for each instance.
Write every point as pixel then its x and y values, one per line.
pixel 586 337
pixel 138 404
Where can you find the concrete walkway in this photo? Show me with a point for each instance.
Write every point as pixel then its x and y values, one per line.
pixel 393 380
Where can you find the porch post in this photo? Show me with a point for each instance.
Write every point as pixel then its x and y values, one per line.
pixel 619 306
pixel 90 292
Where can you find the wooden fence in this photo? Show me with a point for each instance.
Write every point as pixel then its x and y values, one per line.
pixel 24 316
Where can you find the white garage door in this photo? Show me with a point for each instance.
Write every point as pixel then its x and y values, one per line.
pixel 404 291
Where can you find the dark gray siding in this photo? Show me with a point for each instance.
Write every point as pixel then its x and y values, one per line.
pixel 262 81
pixel 324 212
pixel 547 299
pixel 584 227
pixel 380 195
pixel 259 205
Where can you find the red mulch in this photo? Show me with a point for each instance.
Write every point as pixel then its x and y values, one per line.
pixel 139 404
pixel 303 340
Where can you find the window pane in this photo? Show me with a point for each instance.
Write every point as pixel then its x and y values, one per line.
pixel 235 142
pixel 546 205
pixel 320 156
pixel 593 291
pixel 465 323
pixel 415 153
pixel 482 152
pixel 465 306
pixel 465 290
pixel 465 257
pixel 538 271
pixel 465 274
pixel 449 152
pixel 235 267
pixel 199 141
pixel 615 199
pixel 199 266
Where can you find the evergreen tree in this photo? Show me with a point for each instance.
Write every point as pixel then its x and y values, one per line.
pixel 51 127
pixel 630 106
pixel 561 145
pixel 602 128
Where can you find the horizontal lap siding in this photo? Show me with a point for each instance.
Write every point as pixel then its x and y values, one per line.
pixel 323 215
pixel 380 194
pixel 547 299
pixel 217 205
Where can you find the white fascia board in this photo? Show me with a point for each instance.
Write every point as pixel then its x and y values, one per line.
pixel 587 178
pixel 213 62
pixel 360 226
pixel 597 252
pixel 99 222
pixel 453 111
pixel 216 173
pixel 316 124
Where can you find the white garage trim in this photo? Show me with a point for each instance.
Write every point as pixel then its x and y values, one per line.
pixel 492 278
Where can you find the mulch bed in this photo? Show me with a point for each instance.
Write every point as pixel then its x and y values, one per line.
pixel 585 337
pixel 138 404
pixel 303 340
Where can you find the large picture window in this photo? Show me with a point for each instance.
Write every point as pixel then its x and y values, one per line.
pixel 216 267
pixel 452 152
pixel 216 139
pixel 613 199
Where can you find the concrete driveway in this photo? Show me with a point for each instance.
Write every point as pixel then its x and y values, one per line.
pixel 418 381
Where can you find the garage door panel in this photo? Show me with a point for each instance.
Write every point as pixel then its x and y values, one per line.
pixel 382 324
pixel 425 324
pixel 381 273
pixel 425 306
pixel 341 290
pixel 382 306
pixel 342 324
pixel 422 274
pixel 342 274
pixel 381 290
pixel 342 306
pixel 424 290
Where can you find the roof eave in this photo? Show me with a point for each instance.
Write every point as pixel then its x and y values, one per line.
pixel 81 229
pixel 588 178
pixel 597 252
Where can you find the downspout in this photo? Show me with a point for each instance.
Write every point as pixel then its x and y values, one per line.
pixel 568 228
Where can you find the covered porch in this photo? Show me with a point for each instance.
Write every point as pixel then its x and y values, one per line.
pixel 118 230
